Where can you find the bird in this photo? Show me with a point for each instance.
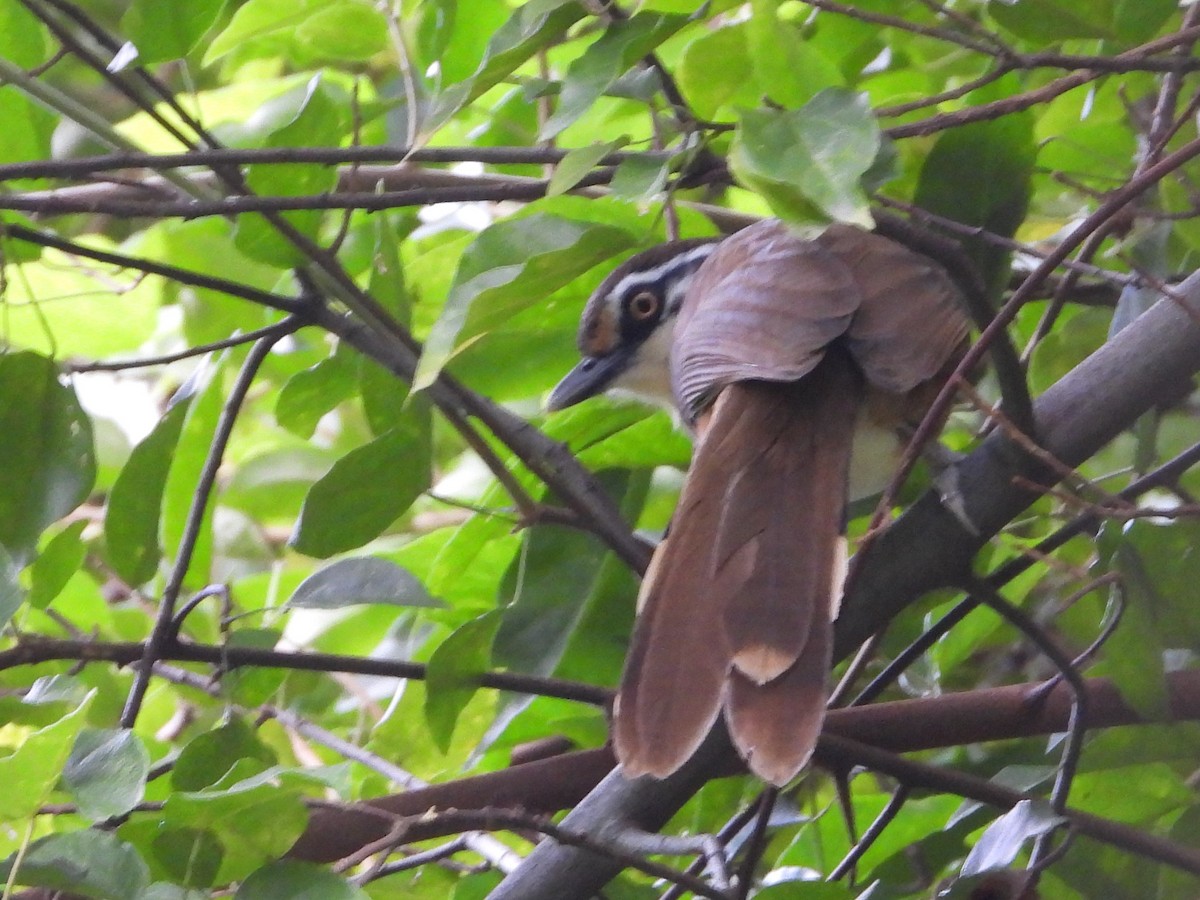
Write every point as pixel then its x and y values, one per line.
pixel 802 365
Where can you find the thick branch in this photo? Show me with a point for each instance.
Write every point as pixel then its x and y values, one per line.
pixel 548 785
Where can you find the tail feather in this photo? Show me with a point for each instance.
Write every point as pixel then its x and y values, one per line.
pixel 737 611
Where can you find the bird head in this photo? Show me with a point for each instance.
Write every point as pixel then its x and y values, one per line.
pixel 627 326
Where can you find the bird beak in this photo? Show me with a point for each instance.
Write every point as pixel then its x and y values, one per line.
pixel 593 375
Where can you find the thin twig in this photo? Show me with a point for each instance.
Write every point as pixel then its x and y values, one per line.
pixel 1076 723
pixel 285 327
pixel 863 844
pixel 261 156
pixel 31 650
pixel 161 636
pixel 757 843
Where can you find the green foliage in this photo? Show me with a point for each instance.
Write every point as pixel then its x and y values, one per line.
pixel 980 175
pixel 91 863
pixel 162 33
pixel 363 580
pixel 364 492
pixel 106 772
pixel 47 455
pixel 809 163
pixel 352 514
pixel 296 881
pixel 32 769
pixel 508 268
pixel 131 525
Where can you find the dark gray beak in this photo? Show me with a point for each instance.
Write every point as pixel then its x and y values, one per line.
pixel 590 377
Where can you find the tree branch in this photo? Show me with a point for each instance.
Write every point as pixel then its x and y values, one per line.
pixel 904 726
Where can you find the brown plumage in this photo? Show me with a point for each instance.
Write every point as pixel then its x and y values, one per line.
pixel 736 612
pixel 787 355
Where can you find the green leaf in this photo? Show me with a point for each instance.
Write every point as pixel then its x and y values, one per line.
pixel 639 178
pixel 458 555
pixel 255 819
pixel 46 456
pixel 55 564
pixel 727 50
pixel 22 36
pixel 1134 652
pixel 106 772
pixel 532 27
pixel 564 579
pixel 623 43
pixel 346 30
pixel 980 175
pixel 11 249
pixel 364 492
pixel 645 442
pixel 30 772
pixel 786 68
pixel 1135 21
pixel 56 689
pixel 206 246
pixel 1137 795
pixel 293 880
pixel 1170 555
pixel 457 42
pixel 1048 21
pixel 388 284
pixel 387 402
pixel 163 891
pixel 273 485
pixel 808 163
pixel 364 579
pixel 311 393
pixel 318 122
pixel 1000 843
pixel 787 887
pixel 191 452
pixel 189 856
pixel 11 594
pixel 251 686
pixel 449 676
pixel 165 31
pixel 28 127
pixel 338 29
pixel 134 510
pixel 92 863
pixel 209 756
pixel 509 267
pixel 578 163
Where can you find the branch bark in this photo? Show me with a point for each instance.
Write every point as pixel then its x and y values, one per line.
pixel 927 548
pixel 856 736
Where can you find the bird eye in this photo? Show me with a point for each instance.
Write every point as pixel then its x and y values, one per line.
pixel 643 306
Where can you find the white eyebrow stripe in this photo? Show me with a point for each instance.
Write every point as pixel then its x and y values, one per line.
pixel 653 276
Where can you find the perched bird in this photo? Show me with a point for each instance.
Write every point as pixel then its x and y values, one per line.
pixel 801 365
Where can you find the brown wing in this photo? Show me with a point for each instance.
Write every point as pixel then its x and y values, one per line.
pixel 910 319
pixel 764 306
pixel 767 302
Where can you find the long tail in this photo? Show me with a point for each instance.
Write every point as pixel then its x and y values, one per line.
pixel 736 610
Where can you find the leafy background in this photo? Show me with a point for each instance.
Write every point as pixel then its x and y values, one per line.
pixel 283 284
